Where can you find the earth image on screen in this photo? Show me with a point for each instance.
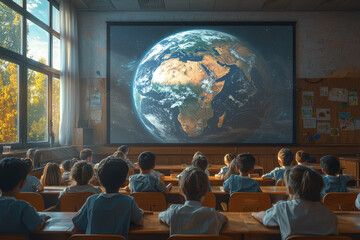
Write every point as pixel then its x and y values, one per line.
pixel 201 86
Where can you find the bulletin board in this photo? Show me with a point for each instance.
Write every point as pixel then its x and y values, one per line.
pixel 328 111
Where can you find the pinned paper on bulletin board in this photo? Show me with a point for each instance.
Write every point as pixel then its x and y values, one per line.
pixel 323 128
pixel 334 132
pixel 344 116
pixel 323 114
pixel 324 91
pixel 308 97
pixel 346 126
pixel 357 124
pixel 307 111
pixel 309 122
pixel 353 100
pixel 338 95
pixel 95 100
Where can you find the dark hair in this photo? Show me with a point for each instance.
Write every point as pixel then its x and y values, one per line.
pixel 81 172
pixel 123 149
pixel 232 170
pixel 197 153
pixel 37 158
pixel 305 183
pixel 85 153
pixel 302 157
pixel 245 161
pixel 51 175
pixel 330 164
pixel 146 160
pixel 12 171
pixel 194 184
pixel 200 161
pixel 285 156
pixel 29 163
pixel 67 164
pixel 112 173
pixel 30 153
pixel 119 154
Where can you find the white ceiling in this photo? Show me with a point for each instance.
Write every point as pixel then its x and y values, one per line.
pixel 218 5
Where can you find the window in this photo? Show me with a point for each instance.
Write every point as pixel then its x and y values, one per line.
pixel 29 72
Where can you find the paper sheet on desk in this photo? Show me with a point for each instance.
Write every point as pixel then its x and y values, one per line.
pixel 57 224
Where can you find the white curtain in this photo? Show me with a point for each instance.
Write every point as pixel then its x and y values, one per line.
pixel 69 78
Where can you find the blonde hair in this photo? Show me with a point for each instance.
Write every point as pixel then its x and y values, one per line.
pixel 228 158
pixel 194 184
pixel 81 172
pixel 232 170
pixel 51 175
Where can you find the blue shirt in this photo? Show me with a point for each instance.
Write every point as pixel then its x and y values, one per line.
pixel 237 183
pixel 108 214
pixel 277 173
pixel 31 183
pixel 301 217
pixel 223 170
pixel 17 217
pixel 145 183
pixel 335 183
pixel 192 218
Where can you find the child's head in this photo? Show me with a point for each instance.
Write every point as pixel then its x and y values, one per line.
pixel 228 158
pixel 29 164
pixel 285 157
pixel 200 161
pixel 30 153
pixel 124 149
pixel 13 172
pixel 81 173
pixel 330 164
pixel 146 161
pixel 86 154
pixel 194 184
pixel 245 162
pixel 304 183
pixel 119 154
pixel 51 175
pixel 302 158
pixel 66 165
pixel 112 173
pixel 197 153
pixel 232 169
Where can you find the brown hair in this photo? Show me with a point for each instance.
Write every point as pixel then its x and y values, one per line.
pixel 51 175
pixel 232 170
pixel 305 183
pixel 197 153
pixel 286 156
pixel 194 184
pixel 302 157
pixel 85 153
pixel 81 173
pixel 200 161
pixel 228 158
pixel 119 154
pixel 29 163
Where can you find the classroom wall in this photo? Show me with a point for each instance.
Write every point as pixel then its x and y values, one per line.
pixel 327 46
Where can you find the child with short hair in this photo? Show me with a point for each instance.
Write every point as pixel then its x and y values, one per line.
pixel 227 160
pixel 66 165
pixel 51 175
pixel 199 161
pixel 285 159
pixel 145 182
pixel 87 155
pixel 125 150
pixel 333 181
pixel 245 163
pixel 81 173
pixel 32 184
pixel 191 217
pixel 98 213
pixel 302 158
pixel 16 216
pixel 303 214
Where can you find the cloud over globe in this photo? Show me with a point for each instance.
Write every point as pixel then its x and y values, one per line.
pixel 201 86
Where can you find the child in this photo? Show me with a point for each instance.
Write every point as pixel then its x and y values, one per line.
pixel 302 158
pixel 110 212
pixel 87 155
pixel 51 175
pixel 232 170
pixel 145 182
pixel 32 184
pixel 16 216
pixel 245 163
pixel 125 150
pixel 227 160
pixel 285 158
pixel 191 217
pixel 303 214
pixel 66 165
pixel 330 167
pixel 81 173
pixel 199 161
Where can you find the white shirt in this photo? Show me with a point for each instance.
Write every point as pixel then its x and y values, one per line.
pixel 192 218
pixel 301 217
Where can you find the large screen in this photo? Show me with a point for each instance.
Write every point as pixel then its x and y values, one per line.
pixel 193 83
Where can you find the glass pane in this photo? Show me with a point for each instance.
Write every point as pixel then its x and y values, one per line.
pixel 19 2
pixel 39 8
pixel 56 19
pixel 56 52
pixel 9 78
pixel 37 106
pixel 10 29
pixel 37 43
pixel 56 107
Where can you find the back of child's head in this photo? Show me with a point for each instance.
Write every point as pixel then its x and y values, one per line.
pixel 67 164
pixel 146 160
pixel 305 183
pixel 119 154
pixel 197 153
pixel 123 149
pixel 51 175
pixel 302 157
pixel 12 172
pixel 85 153
pixel 30 153
pixel 194 184
pixel 330 164
pixel 286 156
pixel 200 161
pixel 228 158
pixel 246 162
pixel 81 172
pixel 29 163
pixel 112 173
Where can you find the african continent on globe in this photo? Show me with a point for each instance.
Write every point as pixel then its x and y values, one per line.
pixel 201 86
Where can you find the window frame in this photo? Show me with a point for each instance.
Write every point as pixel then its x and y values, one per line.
pixel 27 63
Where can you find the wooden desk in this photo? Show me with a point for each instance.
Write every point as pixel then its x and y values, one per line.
pixel 219 182
pixel 240 226
pixel 351 166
